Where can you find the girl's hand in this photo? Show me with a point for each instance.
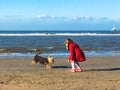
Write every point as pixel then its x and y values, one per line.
pixel 68 60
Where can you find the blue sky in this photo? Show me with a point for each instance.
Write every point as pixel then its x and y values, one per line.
pixel 59 14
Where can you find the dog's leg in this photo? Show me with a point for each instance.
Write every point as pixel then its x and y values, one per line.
pixel 48 66
pixel 33 62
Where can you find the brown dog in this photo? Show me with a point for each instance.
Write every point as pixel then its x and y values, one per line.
pixel 45 61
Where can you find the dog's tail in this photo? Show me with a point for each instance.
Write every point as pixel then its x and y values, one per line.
pixel 38 52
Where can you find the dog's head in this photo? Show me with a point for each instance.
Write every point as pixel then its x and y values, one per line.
pixel 50 60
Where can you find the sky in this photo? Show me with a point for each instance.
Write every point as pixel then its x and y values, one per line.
pixel 59 14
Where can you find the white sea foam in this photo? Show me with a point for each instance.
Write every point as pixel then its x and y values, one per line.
pixel 60 34
pixel 55 55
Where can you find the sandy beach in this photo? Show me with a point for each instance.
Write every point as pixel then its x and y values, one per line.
pixel 99 73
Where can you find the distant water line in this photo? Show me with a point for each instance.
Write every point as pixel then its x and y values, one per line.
pixel 26 43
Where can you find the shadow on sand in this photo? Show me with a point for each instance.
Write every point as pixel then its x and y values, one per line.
pixel 61 67
pixel 104 69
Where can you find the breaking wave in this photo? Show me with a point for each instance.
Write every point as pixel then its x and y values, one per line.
pixel 57 55
pixel 60 34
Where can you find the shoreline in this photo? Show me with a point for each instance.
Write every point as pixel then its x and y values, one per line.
pixel 99 73
pixel 58 55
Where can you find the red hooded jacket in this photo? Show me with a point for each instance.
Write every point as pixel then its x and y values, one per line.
pixel 76 54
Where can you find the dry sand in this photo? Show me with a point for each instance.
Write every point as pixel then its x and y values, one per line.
pixel 100 73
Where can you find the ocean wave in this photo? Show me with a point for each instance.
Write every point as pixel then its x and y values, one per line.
pixel 57 55
pixel 31 55
pixel 61 34
pixel 31 50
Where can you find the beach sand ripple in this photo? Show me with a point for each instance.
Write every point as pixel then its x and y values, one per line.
pixel 100 73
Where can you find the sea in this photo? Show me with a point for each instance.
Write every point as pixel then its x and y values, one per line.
pixel 23 44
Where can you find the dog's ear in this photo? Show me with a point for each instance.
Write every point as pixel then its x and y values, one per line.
pixel 50 59
pixel 49 56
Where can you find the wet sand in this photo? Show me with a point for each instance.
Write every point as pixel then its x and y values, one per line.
pixel 99 73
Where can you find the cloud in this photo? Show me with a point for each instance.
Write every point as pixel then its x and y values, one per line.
pixel 44 16
pixel 47 22
pixel 52 18
pixel 41 16
pixel 82 19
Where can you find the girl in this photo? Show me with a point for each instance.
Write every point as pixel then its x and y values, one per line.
pixel 76 55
